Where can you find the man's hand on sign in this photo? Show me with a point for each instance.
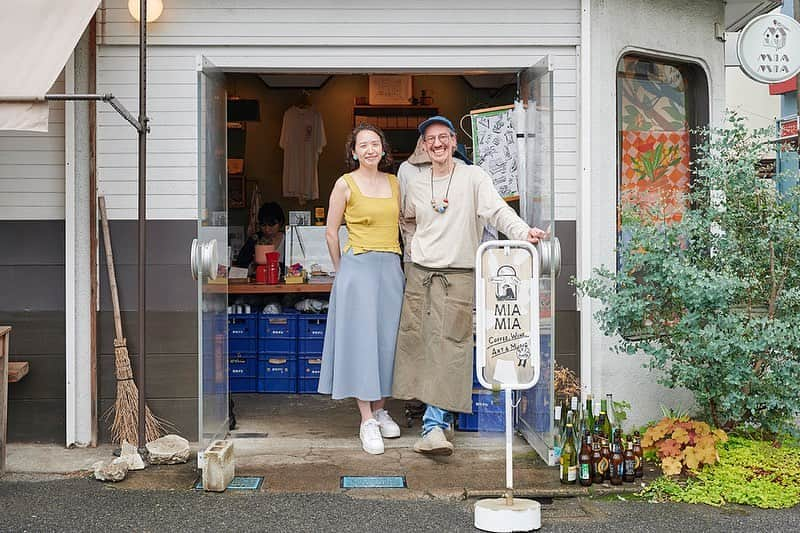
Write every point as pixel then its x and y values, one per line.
pixel 534 234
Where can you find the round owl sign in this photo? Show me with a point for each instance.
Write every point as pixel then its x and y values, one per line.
pixel 769 48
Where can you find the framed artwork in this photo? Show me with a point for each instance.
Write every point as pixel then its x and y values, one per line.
pixel 299 218
pixel 392 89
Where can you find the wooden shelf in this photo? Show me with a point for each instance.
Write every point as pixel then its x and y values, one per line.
pixel 261 288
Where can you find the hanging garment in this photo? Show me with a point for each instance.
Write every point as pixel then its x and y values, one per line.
pixel 302 140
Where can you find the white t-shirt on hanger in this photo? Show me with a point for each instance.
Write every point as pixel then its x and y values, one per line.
pixel 302 140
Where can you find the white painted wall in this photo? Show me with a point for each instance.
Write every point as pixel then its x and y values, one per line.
pixel 751 100
pixel 320 35
pixel 680 28
pixel 32 169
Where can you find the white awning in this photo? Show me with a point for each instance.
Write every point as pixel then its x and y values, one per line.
pixel 36 39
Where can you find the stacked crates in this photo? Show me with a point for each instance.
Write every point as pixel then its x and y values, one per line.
pixel 277 352
pixel 311 335
pixel 242 352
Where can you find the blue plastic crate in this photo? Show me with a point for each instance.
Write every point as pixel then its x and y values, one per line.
pixel 273 345
pixel 311 326
pixel 279 325
pixel 277 385
pixel 274 366
pixel 307 385
pixel 242 367
pixel 309 366
pixel 242 384
pixel 243 326
pixel 488 413
pixel 236 345
pixel 310 346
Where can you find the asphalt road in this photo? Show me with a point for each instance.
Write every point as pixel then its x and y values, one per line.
pixel 88 505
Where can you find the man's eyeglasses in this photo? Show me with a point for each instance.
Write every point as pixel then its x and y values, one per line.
pixel 443 138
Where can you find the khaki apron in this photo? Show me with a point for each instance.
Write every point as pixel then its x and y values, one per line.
pixel 433 361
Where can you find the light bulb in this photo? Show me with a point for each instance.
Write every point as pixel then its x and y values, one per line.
pixel 154 9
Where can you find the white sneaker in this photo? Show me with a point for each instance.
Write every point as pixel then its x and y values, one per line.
pixel 370 434
pixel 389 428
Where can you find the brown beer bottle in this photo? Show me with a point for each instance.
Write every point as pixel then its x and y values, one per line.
pixel 606 455
pixel 617 462
pixel 598 469
pixel 638 453
pixel 585 461
pixel 629 468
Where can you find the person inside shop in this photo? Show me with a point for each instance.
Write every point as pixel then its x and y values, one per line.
pixel 365 301
pixel 272 223
pixel 448 208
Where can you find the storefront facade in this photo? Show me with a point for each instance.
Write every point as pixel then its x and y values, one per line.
pixel 586 42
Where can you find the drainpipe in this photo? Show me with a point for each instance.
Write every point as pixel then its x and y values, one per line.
pixel 584 227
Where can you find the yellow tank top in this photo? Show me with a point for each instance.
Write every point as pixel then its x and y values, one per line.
pixel 372 223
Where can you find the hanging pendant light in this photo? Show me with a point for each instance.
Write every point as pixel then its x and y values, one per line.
pixel 154 9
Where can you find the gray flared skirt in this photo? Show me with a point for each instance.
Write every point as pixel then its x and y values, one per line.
pixel 361 333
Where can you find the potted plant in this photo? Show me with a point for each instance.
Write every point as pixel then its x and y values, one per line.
pixel 713 298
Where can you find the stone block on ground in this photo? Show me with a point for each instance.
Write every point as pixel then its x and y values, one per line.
pixel 115 470
pixel 168 450
pixel 219 466
pixel 130 454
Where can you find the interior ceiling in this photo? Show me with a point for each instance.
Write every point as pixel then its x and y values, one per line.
pixel 494 80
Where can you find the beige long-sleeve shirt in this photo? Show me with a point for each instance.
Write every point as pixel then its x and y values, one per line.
pixel 450 239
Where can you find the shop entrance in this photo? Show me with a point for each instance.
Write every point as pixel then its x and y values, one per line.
pixel 271 383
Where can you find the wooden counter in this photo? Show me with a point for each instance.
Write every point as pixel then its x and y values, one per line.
pixel 262 288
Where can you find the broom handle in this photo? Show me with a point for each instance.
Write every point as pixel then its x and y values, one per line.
pixel 112 276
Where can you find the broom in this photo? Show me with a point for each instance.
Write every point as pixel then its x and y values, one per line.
pixel 126 407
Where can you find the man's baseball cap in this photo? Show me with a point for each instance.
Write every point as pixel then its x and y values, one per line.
pixel 438 119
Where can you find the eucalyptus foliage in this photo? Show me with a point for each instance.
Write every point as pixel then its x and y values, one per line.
pixel 714 298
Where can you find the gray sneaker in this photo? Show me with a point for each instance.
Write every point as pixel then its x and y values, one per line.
pixel 450 432
pixel 434 443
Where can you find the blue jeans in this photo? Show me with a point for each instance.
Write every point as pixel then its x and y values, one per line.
pixel 435 417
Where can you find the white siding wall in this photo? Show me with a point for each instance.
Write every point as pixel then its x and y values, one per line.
pixel 319 36
pixel 32 169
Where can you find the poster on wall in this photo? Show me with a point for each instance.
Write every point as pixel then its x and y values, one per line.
pixel 494 148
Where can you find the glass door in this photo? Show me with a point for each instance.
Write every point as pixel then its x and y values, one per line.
pixel 537 208
pixel 208 252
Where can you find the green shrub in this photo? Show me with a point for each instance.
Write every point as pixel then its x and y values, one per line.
pixel 713 299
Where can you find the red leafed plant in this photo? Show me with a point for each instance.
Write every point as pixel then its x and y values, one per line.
pixel 683 445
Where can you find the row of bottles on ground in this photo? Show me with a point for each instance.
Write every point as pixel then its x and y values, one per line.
pixel 589 444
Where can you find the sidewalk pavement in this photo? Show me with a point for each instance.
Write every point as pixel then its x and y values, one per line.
pixel 296 465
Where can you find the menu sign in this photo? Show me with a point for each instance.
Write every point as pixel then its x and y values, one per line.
pixel 507 353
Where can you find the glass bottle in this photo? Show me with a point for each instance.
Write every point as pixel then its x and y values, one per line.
pixel 569 459
pixel 588 413
pixel 585 461
pixel 557 440
pixel 617 464
pixel 605 452
pixel 606 427
pixel 638 453
pixel 610 413
pixel 629 464
pixel 598 468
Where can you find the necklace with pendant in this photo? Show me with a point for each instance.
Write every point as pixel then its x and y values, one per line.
pixel 441 206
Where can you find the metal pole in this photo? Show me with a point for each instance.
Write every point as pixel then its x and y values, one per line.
pixel 509 444
pixel 142 231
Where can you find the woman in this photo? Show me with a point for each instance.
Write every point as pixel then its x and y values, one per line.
pixel 271 223
pixel 364 310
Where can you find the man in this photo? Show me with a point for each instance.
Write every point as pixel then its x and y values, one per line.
pixel 447 207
